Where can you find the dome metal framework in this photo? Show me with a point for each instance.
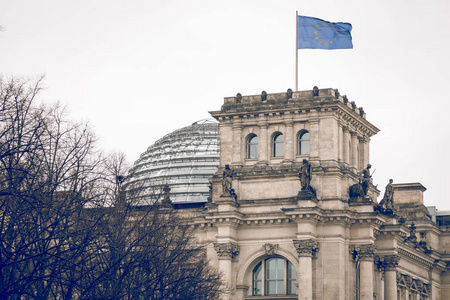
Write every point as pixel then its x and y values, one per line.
pixel 184 160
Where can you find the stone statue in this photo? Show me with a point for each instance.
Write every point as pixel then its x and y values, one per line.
pixel 345 99
pixel 289 94
pixel 263 96
pixel 356 192
pixel 227 181
pixel 315 91
pixel 305 177
pixel 412 234
pixel 365 181
pixel 238 98
pixel 387 202
pixel 210 192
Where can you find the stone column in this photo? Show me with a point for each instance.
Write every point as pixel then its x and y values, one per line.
pixel 289 142
pixel 306 249
pixel 237 144
pixel 390 263
pixel 354 158
pixel 226 252
pixel 263 155
pixel 365 255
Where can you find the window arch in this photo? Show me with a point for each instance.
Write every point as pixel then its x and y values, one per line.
pixel 252 146
pixel 274 276
pixel 304 146
pixel 278 145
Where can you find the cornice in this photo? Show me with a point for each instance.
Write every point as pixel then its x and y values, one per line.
pixel 428 262
pixel 276 107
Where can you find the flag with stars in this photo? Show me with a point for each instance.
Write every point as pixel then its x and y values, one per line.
pixel 315 33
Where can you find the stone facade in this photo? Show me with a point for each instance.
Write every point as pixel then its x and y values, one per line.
pixel 273 240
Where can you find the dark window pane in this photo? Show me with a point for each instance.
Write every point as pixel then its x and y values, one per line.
pixel 252 147
pixel 304 143
pixel 278 145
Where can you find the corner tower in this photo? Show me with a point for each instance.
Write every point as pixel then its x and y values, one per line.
pixel 268 136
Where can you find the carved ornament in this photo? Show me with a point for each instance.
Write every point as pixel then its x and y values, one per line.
pixel 306 247
pixel 364 251
pixel 226 249
pixel 270 249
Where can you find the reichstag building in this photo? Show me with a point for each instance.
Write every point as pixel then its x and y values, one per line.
pixel 279 187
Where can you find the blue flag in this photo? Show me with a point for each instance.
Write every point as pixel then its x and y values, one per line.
pixel 315 33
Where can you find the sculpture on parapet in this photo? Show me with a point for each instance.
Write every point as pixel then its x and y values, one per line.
pixel 227 182
pixel 387 203
pixel 315 91
pixel 263 96
pixel 305 177
pixel 365 181
pixel 345 99
pixel 238 98
pixel 358 191
pixel 210 192
pixel 289 94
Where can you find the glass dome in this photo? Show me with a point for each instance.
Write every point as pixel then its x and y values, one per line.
pixel 184 160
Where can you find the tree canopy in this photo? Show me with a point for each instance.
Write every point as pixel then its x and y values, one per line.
pixel 68 230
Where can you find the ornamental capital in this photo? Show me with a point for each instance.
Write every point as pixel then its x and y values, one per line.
pixel 391 261
pixel 226 250
pixel 364 251
pixel 306 247
pixel 388 262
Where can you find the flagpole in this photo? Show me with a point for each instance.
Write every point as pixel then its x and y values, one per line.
pixel 296 50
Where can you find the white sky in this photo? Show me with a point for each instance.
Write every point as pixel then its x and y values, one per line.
pixel 137 70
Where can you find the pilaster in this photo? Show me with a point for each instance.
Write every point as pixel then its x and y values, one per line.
pixel 237 143
pixel 354 158
pixel 226 252
pixel 365 254
pixel 306 249
pixel 289 142
pixel 389 264
pixel 346 145
pixel 263 154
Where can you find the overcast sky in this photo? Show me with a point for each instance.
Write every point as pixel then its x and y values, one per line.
pixel 137 70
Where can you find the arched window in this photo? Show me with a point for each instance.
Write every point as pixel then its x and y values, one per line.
pixel 278 145
pixel 304 143
pixel 274 276
pixel 252 146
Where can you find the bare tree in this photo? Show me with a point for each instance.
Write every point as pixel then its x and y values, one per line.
pixel 46 170
pixel 147 251
pixel 68 229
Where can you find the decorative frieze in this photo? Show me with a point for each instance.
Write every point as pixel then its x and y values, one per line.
pixel 226 250
pixel 306 247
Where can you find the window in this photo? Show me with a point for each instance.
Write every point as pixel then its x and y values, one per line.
pixel 274 276
pixel 252 146
pixel 278 145
pixel 304 143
